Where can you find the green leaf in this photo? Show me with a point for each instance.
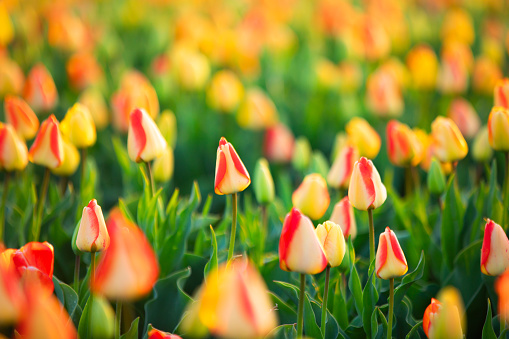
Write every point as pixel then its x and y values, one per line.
pixel 212 264
pixel 452 222
pixel 408 280
pixel 413 332
pixel 287 331
pixel 69 298
pixel 382 319
pixel 340 310
pixel 369 300
pixel 285 312
pixel 354 283
pixel 374 323
pixel 133 330
pixel 487 330
pixel 311 328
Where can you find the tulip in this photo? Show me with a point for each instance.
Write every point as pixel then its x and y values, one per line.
pixel 301 154
pixel 21 117
pixel 430 315
pixel 340 141
pixel 144 140
pixel 423 67
pixel 449 144
pixel 327 74
pixel 40 91
pixel 193 70
pixel 498 128
pixel 79 126
pixel 257 111
pixel 341 170
pixel 225 91
pixel 350 76
pixel 465 117
pixel 448 323
pixel 486 75
pixel 454 71
pixel 363 137
pixel 343 215
pixel 101 315
pixel 312 196
pixel 501 93
pixel 128 269
pixel 502 288
pixel 458 26
pixel 93 99
pixel 92 235
pixel 383 94
pixel 83 70
pixel 156 334
pixel 278 144
pixel 11 77
pixel 47 149
pixel 6 29
pixel 163 166
pixel 71 160
pixel 12 297
pixel 13 150
pixel 66 30
pixel 263 182
pixel 481 149
pixel 436 178
pixel 403 146
pixel 495 249
pixel 167 123
pixel 34 264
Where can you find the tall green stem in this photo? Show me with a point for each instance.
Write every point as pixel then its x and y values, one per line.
pixel 325 299
pixel 2 208
pixel 118 319
pixel 76 284
pixel 371 236
pixel 300 314
pixel 40 207
pixel 91 297
pixel 152 190
pixel 150 177
pixel 391 308
pixel 234 227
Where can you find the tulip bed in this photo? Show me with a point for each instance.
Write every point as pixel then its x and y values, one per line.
pixel 254 169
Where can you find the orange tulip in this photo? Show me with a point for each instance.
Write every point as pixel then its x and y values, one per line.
pixel 458 26
pixel 465 117
pixel 92 233
pixel 40 91
pixel 278 144
pixel 34 263
pixel 366 190
pixel 13 150
pixel 501 93
pixel 485 75
pixel 21 117
pixel 47 149
pixel 231 174
pixel 11 296
pixel 312 196
pixel 144 140
pixel 156 334
pixel 341 170
pixel 383 94
pixel 83 70
pixel 448 142
pixel 502 289
pixel 343 215
pixel 390 259
pixel 403 146
pixel 430 315
pixel 495 249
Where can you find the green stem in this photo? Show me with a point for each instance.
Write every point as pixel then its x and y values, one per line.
pixel 391 307
pixel 152 190
pixel 40 207
pixel 83 167
pixel 118 319
pixel 2 208
pixel 234 227
pixel 76 283
pixel 300 314
pixel 371 236
pixel 91 298
pixel 325 299
pixel 64 181
pixel 150 178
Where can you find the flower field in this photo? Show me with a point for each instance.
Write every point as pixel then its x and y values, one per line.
pixel 254 169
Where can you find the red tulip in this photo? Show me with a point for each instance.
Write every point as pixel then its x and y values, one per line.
pixel 34 263
pixel 495 249
pixel 21 117
pixel 48 149
pixel 430 314
pixel 144 140
pixel 231 174
pixel 366 189
pixel 156 334
pixel 92 234
pixel 40 91
pixel 278 144
pixel 342 214
pixel 390 259
pixel 12 300
pixel 342 168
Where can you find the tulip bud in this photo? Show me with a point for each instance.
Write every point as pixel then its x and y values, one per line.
pixel 333 242
pixel 403 146
pixel 465 117
pixel 390 259
pixel 92 235
pixel 167 123
pixel 71 160
pixel 278 144
pixel 163 166
pixel 456 63
pixel 193 70
pixel 383 94
pixel 312 196
pixel 101 315
pixel 257 111
pixel 495 249
pixel 423 66
pixel 300 249
pixel 231 174
pixel 12 297
pixel 156 334
pixel 144 140
pixel 341 170
pixel 363 137
pixel 13 150
pixel 47 149
pixel 301 154
pixel 263 182
pixel 343 215
pixel 448 142
pixel 366 189
pixel 79 126
pixel 128 269
pixel 502 288
pixel 21 117
pixel 34 263
pixel 485 75
pixel 225 91
pixel 498 128
pixel 436 178
pixel 11 77
pixel 40 91
pixel 430 315
pixel 481 150
pixel 458 26
pixel 501 93
pixel 83 70
pixel 93 99
pixel 448 323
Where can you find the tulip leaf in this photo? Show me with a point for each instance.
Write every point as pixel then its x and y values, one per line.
pixel 289 286
pixel 69 298
pixel 369 300
pixel 354 282
pixel 374 323
pixel 340 310
pixel 287 331
pixel 408 280
pixel 285 312
pixel 311 328
pixel 452 222
pixel 212 263
pixel 382 319
pixel 133 330
pixel 413 332
pixel 487 330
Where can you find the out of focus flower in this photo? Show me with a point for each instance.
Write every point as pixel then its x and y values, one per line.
pixel 71 160
pixel 333 242
pixel 481 149
pixel 92 234
pixel 79 126
pixel 299 247
pixel 312 196
pixel 501 93
pixel 495 249
pixel 436 178
pixel 225 91
pixel 366 190
pixel 164 166
pixel 422 64
pixel 340 142
pixel 21 117
pixel 485 76
pixel 156 334
pixel 128 269
pixel 350 76
pixel 66 31
pixel 40 91
pixel 376 42
pixel 144 140
pixel 403 146
pixel 13 150
pixel 502 289
pixel 430 315
pixel 231 174
pixel 498 128
pixel 363 137
pixel 465 117
pixel 390 259
pixel 449 144
pixel 448 323
pixel 456 63
pixel 47 149
pixel 383 94
pixel 257 111
pixel 167 123
pixel 327 74
pixel 428 155
pixel 13 300
pixel 278 144
pixel 101 314
pixel 11 77
pixel 458 26
pixel 193 70
pixel 341 170
pixel 342 214
pixel 301 154
pixel 83 70
pixel 93 99
pixel 397 70
pixel 34 264
pixel 6 28
pixel 263 184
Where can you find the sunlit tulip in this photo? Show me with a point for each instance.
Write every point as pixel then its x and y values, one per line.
pixel 301 153
pixel 423 67
pixel 363 137
pixel 341 170
pixel 231 174
pixel 263 184
pixel 403 146
pixel 495 249
pixel 428 153
pixel 485 75
pixel 128 269
pixel 333 242
pixel 156 334
pixel 502 289
pixel 498 128
pixel 225 91
pixel 350 76
pixel 257 111
pixel 92 234
pixel 11 296
pixel 458 26
pixel 144 140
pixel 48 149
pixel 34 263
pixel 343 215
pixel 430 315
pixel 83 70
pixel 40 91
pixel 312 196
pixel 278 144
pixel 193 70
pixel 366 190
pixel 481 149
pixel 383 94
pixel 71 160
pixel 164 165
pixel 375 39
pixel 21 117
pixel 327 74
pixel 390 259
pixel 66 30
pixel 448 322
pixel 79 126
pixel 465 117
pixel 6 28
pixel 13 150
pixel 299 247
pixel 456 63
pixel 448 142
pixel 167 123
pixel 11 77
pixel 93 99
pixel 501 93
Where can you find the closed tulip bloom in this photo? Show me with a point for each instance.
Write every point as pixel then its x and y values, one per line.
pixel 231 174
pixel 456 62
pixel 11 77
pixel 465 117
pixel 501 93
pixel 193 70
pixel 341 170
pixel 263 182
pixel 390 259
pixel 343 215
pixel 21 117
pixel 481 149
pixel 167 123
pixel 502 288
pixel 13 150
pixel 485 75
pixel 48 149
pixel 225 91
pixel 422 64
pixel 128 269
pixel 40 91
pixel 448 142
pixel 312 196
pixel 34 263
pixel 458 26
pixel 301 153
pixel 498 128
pixel 430 315
pixel 383 94
pixel 83 70
pixel 436 178
pixel 164 165
pixel 495 249
pixel 156 334
pixel 93 99
pixel 300 249
pixel 144 140
pixel 11 296
pixel 257 111
pixel 333 242
pixel 403 146
pixel 363 137
pixel 278 144
pixel 79 126
pixel 448 322
pixel 92 234
pixel 366 189
pixel 71 160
